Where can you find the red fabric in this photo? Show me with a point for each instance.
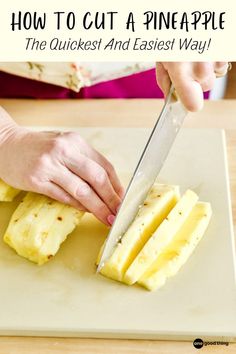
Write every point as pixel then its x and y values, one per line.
pixel 12 86
pixel 141 85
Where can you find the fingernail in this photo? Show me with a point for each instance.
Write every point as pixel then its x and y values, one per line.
pixel 111 219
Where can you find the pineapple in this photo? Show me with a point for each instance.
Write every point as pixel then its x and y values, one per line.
pixel 39 225
pixel 180 249
pixel 7 193
pixel 160 200
pixel 161 238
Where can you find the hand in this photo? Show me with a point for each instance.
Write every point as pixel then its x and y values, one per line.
pixel 62 166
pixel 190 80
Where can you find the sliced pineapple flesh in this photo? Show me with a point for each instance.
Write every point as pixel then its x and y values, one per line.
pixel 161 237
pixel 151 258
pixel 160 200
pixel 180 249
pixel 7 193
pixel 38 227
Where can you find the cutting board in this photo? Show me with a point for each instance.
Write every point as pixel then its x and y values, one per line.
pixel 66 297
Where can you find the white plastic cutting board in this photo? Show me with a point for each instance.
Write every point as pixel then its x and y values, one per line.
pixel 66 298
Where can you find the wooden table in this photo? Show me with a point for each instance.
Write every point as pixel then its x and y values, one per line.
pixel 117 113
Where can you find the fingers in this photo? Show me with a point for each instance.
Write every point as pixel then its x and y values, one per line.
pixel 190 94
pixel 79 175
pixel 101 160
pixel 188 90
pixel 84 194
pixel 190 81
pixel 219 65
pixel 163 79
pixel 56 192
pixel 221 68
pixel 96 176
pixel 85 149
pixel 204 74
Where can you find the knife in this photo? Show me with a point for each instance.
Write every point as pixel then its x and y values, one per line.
pixel 151 161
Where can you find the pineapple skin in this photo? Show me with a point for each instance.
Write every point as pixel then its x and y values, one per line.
pixel 7 193
pixel 38 227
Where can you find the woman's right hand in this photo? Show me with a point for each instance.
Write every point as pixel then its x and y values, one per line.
pixel 190 80
pixel 62 166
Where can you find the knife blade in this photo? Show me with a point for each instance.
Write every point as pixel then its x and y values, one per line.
pixel 151 161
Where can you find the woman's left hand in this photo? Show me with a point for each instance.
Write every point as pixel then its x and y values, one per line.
pixel 190 80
